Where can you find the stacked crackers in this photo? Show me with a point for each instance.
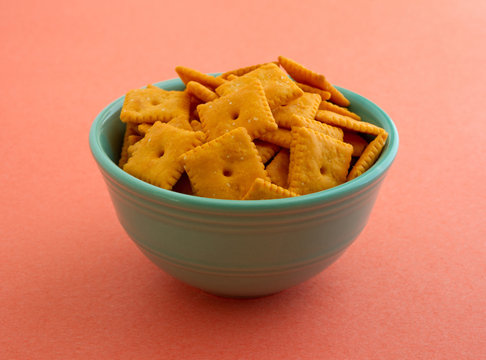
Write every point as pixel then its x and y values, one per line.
pixel 252 133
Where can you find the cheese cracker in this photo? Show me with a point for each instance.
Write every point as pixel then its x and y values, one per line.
pixel 317 161
pixel 225 167
pixel 305 106
pixel 369 156
pixel 278 88
pixel 278 168
pixel 155 158
pixel 264 190
pixel 303 75
pixel 154 104
pixel 247 107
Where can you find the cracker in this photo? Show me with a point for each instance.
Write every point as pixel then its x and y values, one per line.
pixel 264 190
pixel 187 74
pixel 278 168
pixel 317 161
pixel 280 137
pixel 332 131
pixel 155 158
pixel 302 74
pixel 358 142
pixel 131 137
pixel 225 167
pixel 266 150
pixel 305 106
pixel 279 89
pixel 242 71
pixel 326 105
pixel 196 125
pixel 181 122
pixel 369 156
pixel 143 128
pixel 247 107
pixel 347 123
pixel 201 92
pixel 306 76
pixel 325 95
pixel 154 104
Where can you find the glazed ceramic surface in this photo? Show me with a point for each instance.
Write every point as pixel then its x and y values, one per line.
pixel 232 247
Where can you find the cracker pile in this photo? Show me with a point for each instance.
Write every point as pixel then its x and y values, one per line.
pixel 266 131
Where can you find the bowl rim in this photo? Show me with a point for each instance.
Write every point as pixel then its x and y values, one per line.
pixel 153 193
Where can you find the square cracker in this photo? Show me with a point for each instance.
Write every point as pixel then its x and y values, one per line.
pixel 155 158
pixel 264 190
pixel 304 75
pixel 246 108
pixel 279 88
pixel 317 161
pixel 347 123
pixel 242 71
pixel 131 136
pixel 369 156
pixel 153 104
pixel 266 150
pixel 278 168
pixel 225 167
pixel 305 106
pixel 187 74
pixel 281 137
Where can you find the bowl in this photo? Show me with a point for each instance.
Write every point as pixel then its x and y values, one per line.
pixel 237 248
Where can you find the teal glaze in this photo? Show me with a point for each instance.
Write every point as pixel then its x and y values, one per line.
pixel 240 248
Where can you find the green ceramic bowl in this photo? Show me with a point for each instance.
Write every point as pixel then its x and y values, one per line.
pixel 239 248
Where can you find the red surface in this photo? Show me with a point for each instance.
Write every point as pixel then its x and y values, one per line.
pixel 73 286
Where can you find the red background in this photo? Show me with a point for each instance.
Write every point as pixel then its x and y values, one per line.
pixel 72 284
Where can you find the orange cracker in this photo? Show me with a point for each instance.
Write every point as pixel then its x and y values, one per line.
pixel 358 143
pixel 317 161
pixel 181 122
pixel 265 149
pixel 279 89
pixel 225 167
pixel 332 131
pixel 187 74
pixel 305 106
pixel 264 190
pixel 196 125
pixel 278 169
pixel 154 104
pixel 155 158
pixel 201 92
pixel 247 107
pixel 303 75
pixel 369 156
pixel 280 137
pixel 347 123
pixel 131 137
pixel 326 105
pixel 143 128
pixel 325 95
pixel 243 70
